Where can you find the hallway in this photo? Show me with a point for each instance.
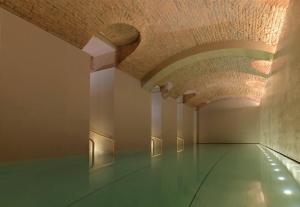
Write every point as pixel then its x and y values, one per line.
pixel 206 175
pixel 149 103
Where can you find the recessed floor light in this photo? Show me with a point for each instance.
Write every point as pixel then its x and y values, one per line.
pixel 287 192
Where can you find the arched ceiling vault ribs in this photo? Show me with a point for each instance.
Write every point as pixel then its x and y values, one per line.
pixel 207 87
pixel 234 101
pixel 253 50
pixel 198 99
pixel 198 74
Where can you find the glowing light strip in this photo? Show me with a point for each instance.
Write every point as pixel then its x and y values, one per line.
pixel 180 144
pixel 292 166
pixel 156 143
pixel 96 148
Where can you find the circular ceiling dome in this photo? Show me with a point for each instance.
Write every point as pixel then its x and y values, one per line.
pixel 121 34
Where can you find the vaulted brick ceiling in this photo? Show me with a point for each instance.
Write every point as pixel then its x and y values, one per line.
pixel 215 48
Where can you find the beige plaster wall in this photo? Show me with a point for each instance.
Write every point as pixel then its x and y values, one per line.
pixel 156 114
pixel 188 124
pixel 101 101
pixel 232 124
pixel 179 119
pixel 196 124
pixel 280 113
pixel 169 122
pixel 132 114
pixel 44 93
pixel 121 109
pixel 185 123
pixel 101 112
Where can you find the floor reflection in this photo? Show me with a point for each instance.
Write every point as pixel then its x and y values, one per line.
pixel 280 174
pixel 203 175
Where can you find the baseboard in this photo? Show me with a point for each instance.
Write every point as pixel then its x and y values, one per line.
pixel 281 153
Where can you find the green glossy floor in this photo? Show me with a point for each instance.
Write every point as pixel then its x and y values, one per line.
pixel 204 176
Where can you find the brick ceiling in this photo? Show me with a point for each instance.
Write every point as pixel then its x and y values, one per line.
pixel 168 29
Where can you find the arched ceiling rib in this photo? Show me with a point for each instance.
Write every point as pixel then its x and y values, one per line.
pixel 224 84
pixel 167 29
pixel 226 92
pixel 188 58
pixel 187 77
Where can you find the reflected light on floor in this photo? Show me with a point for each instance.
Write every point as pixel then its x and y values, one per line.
pixel 256 192
pixel 291 165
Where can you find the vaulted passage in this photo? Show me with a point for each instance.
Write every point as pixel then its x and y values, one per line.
pixel 150 103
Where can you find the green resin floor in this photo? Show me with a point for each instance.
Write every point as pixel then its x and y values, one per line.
pixel 204 176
